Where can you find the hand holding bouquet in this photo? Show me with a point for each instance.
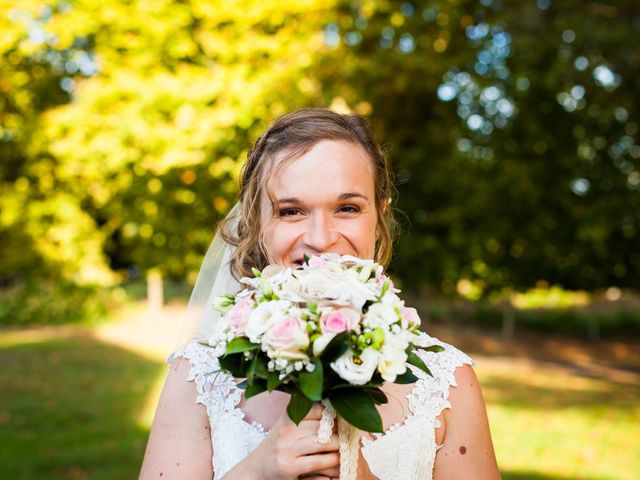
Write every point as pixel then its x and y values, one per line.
pixel 333 329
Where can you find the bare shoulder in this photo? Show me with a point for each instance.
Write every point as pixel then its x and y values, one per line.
pixel 467 449
pixel 179 443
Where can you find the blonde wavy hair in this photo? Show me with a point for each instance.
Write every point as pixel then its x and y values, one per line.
pixel 292 135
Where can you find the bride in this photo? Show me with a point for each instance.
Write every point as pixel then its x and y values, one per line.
pixel 314 182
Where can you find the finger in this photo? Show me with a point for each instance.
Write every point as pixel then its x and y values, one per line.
pixel 333 472
pixel 315 413
pixel 309 445
pixel 317 462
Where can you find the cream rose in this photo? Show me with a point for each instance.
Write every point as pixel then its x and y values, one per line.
pixel 287 338
pixel 315 284
pixel 289 289
pixel 357 370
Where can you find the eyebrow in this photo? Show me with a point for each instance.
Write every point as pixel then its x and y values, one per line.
pixel 342 196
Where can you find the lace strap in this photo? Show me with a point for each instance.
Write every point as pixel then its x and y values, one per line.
pixel 216 389
pixel 431 393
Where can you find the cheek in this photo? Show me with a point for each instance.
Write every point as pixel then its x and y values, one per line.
pixel 363 236
pixel 279 239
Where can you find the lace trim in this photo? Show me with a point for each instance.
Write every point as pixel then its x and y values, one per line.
pixel 220 395
pixel 430 394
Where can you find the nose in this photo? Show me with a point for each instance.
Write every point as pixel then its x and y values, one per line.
pixel 320 234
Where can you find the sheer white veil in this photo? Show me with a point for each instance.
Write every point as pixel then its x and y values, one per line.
pixel 214 280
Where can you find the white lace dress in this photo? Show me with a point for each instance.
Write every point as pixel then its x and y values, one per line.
pixel 405 451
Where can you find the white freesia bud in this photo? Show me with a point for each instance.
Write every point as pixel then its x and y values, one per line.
pixel 393 358
pixel 365 273
pixel 357 370
pixel 224 304
pixel 320 343
pixel 265 285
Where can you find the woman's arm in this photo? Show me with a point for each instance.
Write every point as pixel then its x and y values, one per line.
pixel 179 445
pixel 467 450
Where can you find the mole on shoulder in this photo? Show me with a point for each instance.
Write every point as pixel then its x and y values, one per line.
pixel 161 473
pixel 463 450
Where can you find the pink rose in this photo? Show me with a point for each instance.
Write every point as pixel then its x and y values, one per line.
pixel 340 320
pixel 410 316
pixel 238 316
pixel 286 338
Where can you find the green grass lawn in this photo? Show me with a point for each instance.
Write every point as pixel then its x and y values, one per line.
pixel 73 408
pixel 548 423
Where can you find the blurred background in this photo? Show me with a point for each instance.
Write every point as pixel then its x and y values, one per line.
pixel 513 131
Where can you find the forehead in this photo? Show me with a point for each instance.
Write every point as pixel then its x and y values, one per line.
pixel 329 165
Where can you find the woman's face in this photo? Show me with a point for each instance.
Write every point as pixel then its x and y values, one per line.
pixel 324 202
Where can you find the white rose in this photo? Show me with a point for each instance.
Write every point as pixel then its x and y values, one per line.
pixel 351 292
pixel 393 357
pixel 361 370
pixel 315 284
pixel 289 289
pixel 380 315
pixel 262 317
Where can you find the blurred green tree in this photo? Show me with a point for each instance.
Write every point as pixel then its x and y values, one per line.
pixel 513 129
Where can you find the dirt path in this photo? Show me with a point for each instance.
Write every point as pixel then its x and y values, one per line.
pixel 155 334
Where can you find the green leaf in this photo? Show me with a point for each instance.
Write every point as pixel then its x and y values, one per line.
pixel 234 364
pixel 432 348
pixel 414 359
pixel 336 347
pixel 306 258
pixel 357 407
pixel 255 388
pixel 273 381
pixel 252 369
pixel 378 395
pixel 299 406
pixel 261 368
pixel 311 382
pixel 241 344
pixel 406 377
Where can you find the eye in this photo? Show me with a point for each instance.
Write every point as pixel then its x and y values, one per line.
pixel 349 209
pixel 288 212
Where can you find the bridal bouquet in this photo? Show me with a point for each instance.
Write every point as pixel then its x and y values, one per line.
pixel 333 329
